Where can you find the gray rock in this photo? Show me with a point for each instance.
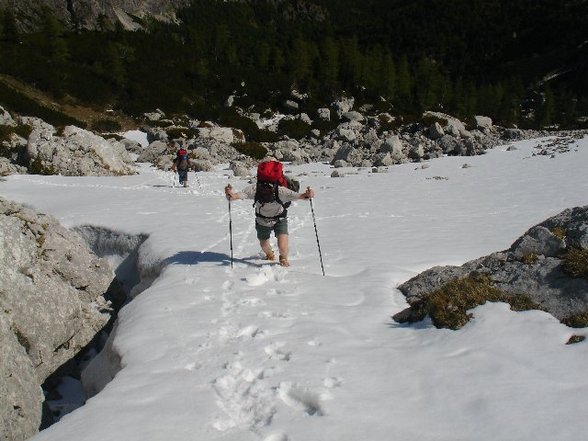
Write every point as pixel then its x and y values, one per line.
pixel 342 105
pixel 21 396
pixel 483 123
pixel 154 151
pixel 538 241
pixel 353 116
pixel 5 118
pixel 291 105
pixel 51 301
pixel 86 14
pixel 239 169
pixel 75 152
pixel 436 131
pixel 532 266
pixel 324 113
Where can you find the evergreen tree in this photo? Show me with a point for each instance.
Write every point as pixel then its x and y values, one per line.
pixel 329 62
pixel 389 81
pixel 9 31
pixel 52 32
pixel 403 82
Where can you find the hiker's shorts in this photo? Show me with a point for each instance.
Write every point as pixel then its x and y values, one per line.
pixel 182 176
pixel 264 233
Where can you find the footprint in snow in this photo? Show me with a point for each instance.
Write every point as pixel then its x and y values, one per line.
pixel 276 351
pixel 277 437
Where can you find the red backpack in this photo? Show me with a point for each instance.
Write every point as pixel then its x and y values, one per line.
pixel 271 172
pixel 270 176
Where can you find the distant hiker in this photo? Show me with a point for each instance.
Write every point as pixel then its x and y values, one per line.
pixel 271 197
pixel 182 164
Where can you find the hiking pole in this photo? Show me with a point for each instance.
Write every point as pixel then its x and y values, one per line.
pixel 317 238
pixel 231 232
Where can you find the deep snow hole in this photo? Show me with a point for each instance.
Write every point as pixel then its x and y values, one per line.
pixel 63 390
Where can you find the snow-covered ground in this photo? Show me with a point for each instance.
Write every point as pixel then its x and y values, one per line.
pixel 260 352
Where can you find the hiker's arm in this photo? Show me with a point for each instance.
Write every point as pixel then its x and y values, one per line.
pixel 308 194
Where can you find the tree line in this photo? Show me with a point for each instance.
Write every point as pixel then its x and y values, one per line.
pixel 460 57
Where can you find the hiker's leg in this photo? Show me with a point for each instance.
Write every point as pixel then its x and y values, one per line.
pixel 281 232
pixel 283 245
pixel 266 246
pixel 263 234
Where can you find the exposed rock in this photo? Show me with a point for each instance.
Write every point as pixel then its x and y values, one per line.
pixel 52 304
pixel 239 169
pixel 154 151
pixel 353 116
pixel 291 105
pixel 75 152
pixel 533 266
pixel 5 118
pixel 86 14
pixel 450 124
pixel 7 167
pixel 436 131
pixel 343 105
pixel 324 113
pixel 483 123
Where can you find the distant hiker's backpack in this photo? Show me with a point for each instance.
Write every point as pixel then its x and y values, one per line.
pixel 270 176
pixel 182 159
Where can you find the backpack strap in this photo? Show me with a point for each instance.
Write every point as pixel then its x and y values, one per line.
pixel 284 212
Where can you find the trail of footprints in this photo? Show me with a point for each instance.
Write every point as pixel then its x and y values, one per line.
pixel 247 395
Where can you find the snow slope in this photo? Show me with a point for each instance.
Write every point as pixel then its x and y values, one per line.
pixel 259 352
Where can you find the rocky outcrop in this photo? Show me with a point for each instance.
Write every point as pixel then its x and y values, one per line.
pixel 74 152
pixel 536 265
pixel 92 14
pixel 51 306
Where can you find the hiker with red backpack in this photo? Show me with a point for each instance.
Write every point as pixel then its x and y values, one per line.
pixel 271 197
pixel 182 164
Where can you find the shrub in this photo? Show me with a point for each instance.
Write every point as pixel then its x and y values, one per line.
pixel 448 306
pixel 324 126
pixel 579 320
pixel 294 128
pixel 37 168
pixel 251 148
pixel 576 262
pixel 24 105
pixel 529 258
pixel 106 125
pixel 559 232
pixel 575 339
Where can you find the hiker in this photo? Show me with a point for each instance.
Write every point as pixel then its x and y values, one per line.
pixel 182 164
pixel 271 200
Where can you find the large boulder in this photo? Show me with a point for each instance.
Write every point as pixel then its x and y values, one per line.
pixel 75 152
pixel 534 265
pixel 51 306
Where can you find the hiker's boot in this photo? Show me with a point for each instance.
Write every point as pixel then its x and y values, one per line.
pixel 284 261
pixel 270 256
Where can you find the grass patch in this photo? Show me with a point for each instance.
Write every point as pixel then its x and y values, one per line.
pixel 575 339
pixel 579 320
pixel 251 148
pixel 294 128
pixel 448 306
pixel 559 232
pixel 23 105
pixel 37 168
pixel 106 125
pixel 529 258
pixel 324 126
pixel 576 262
